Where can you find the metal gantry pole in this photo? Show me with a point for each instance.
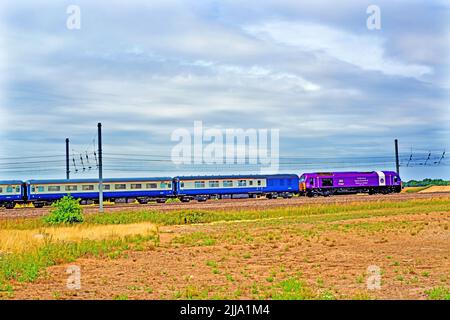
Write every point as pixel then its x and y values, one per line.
pixel 100 168
pixel 67 160
pixel 397 162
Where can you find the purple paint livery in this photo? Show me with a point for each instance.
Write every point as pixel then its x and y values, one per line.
pixel 328 183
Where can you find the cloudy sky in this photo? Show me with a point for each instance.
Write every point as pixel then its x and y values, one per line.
pixel 312 69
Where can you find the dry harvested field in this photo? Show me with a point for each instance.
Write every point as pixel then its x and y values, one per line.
pixel 318 249
pixel 434 189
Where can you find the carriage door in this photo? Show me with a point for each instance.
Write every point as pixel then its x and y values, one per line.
pixel 381 178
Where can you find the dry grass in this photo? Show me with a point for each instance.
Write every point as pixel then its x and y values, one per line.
pixel 436 189
pixel 16 241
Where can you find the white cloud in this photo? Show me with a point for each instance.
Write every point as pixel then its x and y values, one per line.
pixel 364 51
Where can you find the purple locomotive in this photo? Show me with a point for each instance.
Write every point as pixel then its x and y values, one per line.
pixel 329 183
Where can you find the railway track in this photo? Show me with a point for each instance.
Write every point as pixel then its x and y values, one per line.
pixel 229 204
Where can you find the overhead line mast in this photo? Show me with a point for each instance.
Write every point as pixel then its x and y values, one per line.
pixel 100 168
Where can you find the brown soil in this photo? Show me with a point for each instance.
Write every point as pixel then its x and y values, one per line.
pixel 413 254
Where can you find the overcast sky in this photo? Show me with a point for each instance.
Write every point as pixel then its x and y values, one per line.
pixel 311 69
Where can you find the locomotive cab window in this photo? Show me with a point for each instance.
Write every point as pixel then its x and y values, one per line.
pixel 395 179
pixel 327 182
pixel 311 181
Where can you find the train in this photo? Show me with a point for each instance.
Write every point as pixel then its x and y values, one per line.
pixel 201 188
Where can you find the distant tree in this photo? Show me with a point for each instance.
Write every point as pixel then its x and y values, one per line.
pixel 427 182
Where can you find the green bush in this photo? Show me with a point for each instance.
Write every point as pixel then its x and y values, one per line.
pixel 65 210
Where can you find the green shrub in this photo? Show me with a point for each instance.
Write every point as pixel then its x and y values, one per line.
pixel 439 293
pixel 65 210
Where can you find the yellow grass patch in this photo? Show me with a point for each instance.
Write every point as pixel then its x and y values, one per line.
pixel 23 240
pixel 436 189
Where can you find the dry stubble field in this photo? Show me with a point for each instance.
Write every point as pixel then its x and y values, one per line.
pixel 312 251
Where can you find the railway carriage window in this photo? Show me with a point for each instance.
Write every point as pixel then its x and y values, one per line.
pixel 71 188
pixel 87 187
pixel 169 185
pixel 327 182
pixel 106 187
pixel 54 188
pixel 40 189
pixel 1 190
pixel 182 184
pixel 311 181
pixel 163 185
pixel 259 182
pixel 17 189
pixel 199 184
pixel 250 182
pixel 136 186
pixel 213 184
pixel 9 189
pixel 152 186
pixel 242 183
pixel 228 183
pixel 120 186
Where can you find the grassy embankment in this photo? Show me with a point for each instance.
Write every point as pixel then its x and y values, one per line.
pixel 28 246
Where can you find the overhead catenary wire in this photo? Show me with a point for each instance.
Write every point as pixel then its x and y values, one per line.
pixel 138 163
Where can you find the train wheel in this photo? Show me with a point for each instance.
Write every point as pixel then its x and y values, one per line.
pixel 10 205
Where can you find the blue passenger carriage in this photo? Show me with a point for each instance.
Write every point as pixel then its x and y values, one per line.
pixel 42 192
pixel 202 188
pixel 11 192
